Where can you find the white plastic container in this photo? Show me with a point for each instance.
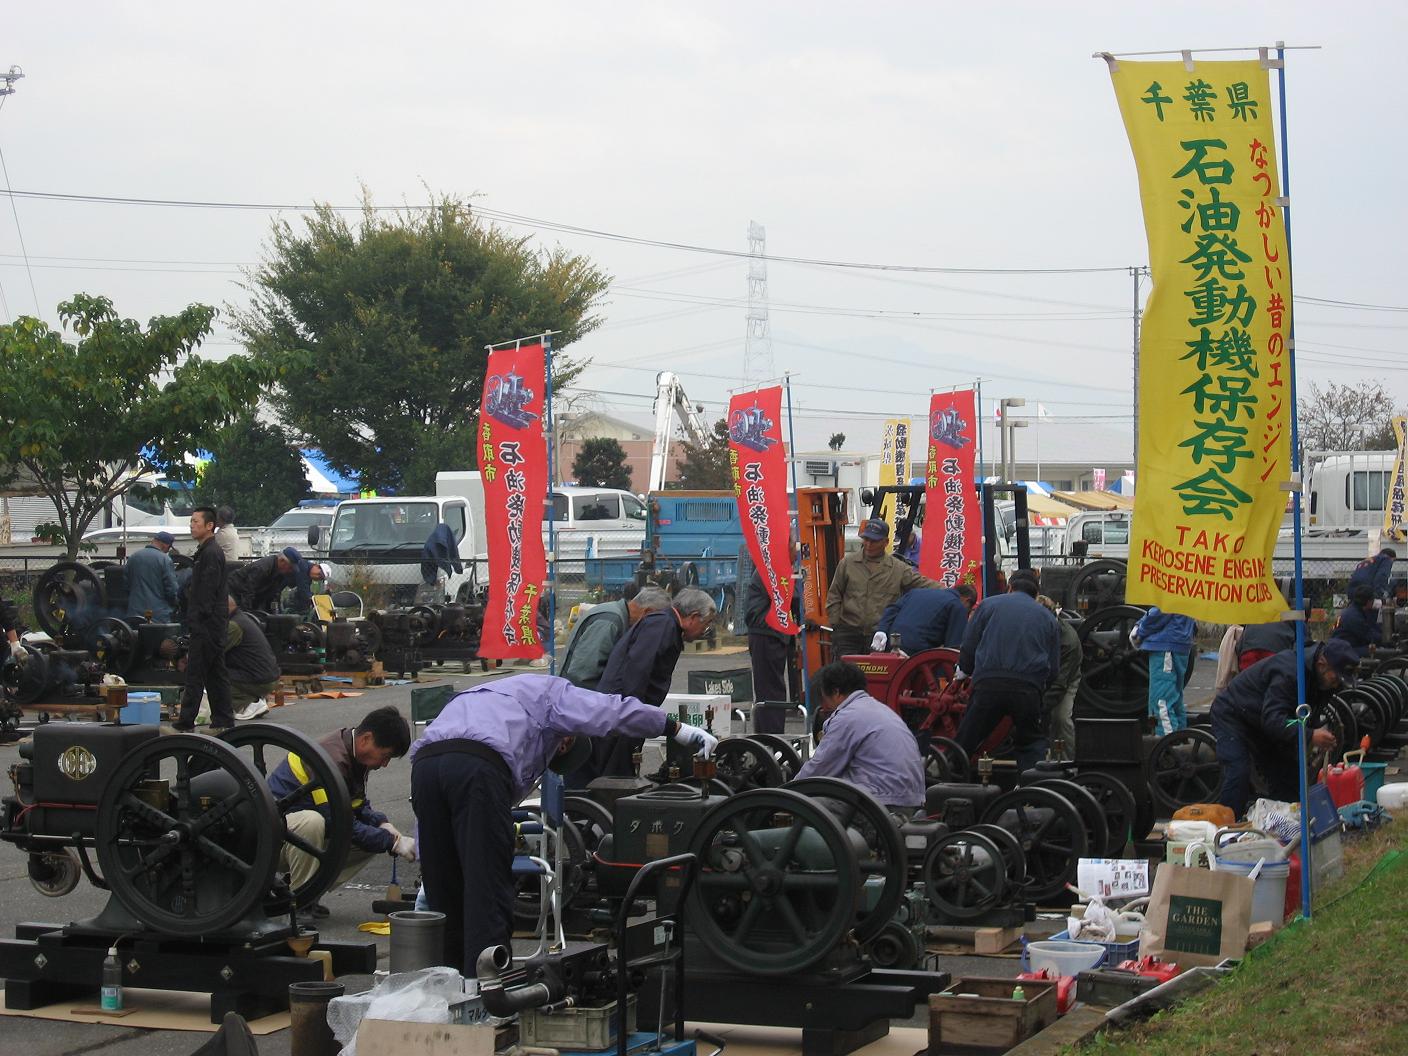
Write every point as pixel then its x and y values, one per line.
pixel 1064 958
pixel 1394 796
pixel 1269 894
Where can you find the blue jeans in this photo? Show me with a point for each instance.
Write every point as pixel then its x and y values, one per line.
pixel 1166 671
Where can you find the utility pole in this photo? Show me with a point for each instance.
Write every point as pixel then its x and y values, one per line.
pixel 757 348
pixel 1136 273
pixel 1008 423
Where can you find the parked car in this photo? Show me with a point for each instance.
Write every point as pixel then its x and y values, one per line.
pixel 289 529
pixel 139 534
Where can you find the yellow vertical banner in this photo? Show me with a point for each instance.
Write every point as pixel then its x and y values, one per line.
pixel 1214 362
pixel 1397 486
pixel 894 464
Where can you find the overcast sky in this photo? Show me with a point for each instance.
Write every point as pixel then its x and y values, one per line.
pixel 930 135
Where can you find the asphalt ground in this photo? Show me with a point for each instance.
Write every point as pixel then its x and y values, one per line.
pixel 389 791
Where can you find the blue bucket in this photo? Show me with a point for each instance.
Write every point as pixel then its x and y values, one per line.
pixel 143 709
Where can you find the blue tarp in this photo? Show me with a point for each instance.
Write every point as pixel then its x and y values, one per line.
pixel 344 485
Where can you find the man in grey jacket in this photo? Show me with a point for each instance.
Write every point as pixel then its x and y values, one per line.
pixel 151 580
pixel 596 634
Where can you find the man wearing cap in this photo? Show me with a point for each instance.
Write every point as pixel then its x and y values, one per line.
pixel 151 580
pixel 1375 572
pixel 863 585
pixel 1357 624
pixel 257 585
pixel 1012 650
pixel 1254 720
pixel 482 754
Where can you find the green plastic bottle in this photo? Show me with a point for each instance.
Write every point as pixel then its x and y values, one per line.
pixel 1018 994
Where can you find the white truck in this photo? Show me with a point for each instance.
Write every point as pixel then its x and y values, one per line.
pixel 378 541
pixel 1342 512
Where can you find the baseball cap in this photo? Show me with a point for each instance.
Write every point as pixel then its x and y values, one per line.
pixel 291 552
pixel 164 537
pixel 1341 657
pixel 875 528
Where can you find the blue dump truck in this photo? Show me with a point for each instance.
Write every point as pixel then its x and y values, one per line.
pixel 692 538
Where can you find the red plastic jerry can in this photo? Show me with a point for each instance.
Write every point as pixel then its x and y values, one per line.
pixel 1345 780
pixel 1151 966
pixel 1065 987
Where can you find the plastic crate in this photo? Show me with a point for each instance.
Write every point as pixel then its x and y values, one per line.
pixel 575 1028
pixel 1115 952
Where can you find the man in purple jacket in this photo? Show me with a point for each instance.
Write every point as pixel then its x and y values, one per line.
pixel 483 754
pixel 864 742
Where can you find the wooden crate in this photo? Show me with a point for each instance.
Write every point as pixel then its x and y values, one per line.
pixel 978 1015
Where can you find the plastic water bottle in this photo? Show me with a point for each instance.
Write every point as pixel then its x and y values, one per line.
pixel 1018 994
pixel 111 1000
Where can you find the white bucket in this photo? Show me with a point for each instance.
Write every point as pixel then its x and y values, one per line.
pixel 1394 796
pixel 1269 894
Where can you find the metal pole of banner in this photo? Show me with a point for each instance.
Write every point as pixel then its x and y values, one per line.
pixel 1302 709
pixel 552 523
pixel 797 523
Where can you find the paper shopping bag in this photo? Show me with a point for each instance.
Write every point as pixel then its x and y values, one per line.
pixel 1197 916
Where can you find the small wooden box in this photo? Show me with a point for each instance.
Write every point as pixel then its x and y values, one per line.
pixel 990 1022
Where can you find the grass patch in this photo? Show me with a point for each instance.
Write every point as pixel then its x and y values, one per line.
pixel 1331 986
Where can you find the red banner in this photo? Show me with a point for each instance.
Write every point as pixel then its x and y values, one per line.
pixel 758 465
pixel 513 457
pixel 952 547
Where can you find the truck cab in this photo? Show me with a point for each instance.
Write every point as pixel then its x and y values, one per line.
pixel 378 541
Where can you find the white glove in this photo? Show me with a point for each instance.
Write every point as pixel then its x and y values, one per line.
pixel 1378 604
pixel 1134 637
pixel 17 650
pixel 701 741
pixel 390 828
pixel 877 644
pixel 405 847
pixel 959 676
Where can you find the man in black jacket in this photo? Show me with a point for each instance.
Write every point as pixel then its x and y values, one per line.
pixel 207 616
pixel 772 654
pixel 256 585
pixel 1012 650
pixel 641 666
pixel 252 666
pixel 1357 624
pixel 1253 719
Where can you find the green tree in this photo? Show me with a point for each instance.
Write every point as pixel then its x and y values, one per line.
pixel 85 417
pixel 255 469
pixel 601 463
pixel 379 329
pixel 705 467
pixel 837 441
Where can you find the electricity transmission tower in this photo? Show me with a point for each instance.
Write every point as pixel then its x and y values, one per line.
pixel 757 349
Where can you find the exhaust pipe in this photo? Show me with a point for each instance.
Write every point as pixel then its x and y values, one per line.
pixel 501 1001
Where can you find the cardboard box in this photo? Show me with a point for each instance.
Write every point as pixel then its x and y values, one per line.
pixel 383 1037
pixel 696 705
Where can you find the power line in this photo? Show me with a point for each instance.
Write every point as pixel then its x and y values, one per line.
pixel 19 231
pixel 551 225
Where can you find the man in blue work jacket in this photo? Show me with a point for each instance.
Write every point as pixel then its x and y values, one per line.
pixel 1012 651
pixel 1357 624
pixel 481 755
pixel 1254 720
pixel 381 736
pixel 1168 639
pixel 927 618
pixel 1375 572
